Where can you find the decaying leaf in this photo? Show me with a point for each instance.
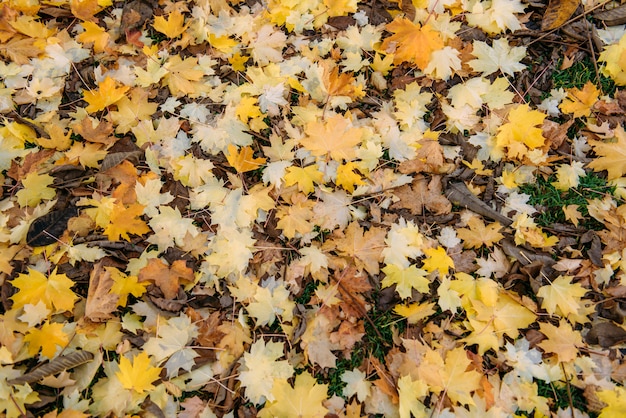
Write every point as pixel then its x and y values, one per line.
pixel 557 13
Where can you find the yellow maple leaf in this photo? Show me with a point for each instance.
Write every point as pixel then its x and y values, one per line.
pixel 572 214
pixel 94 34
pixel 347 177
pixel 106 95
pixel 580 101
pixel 173 26
pixel 460 378
pixel 479 234
pixel 124 221
pixel 405 279
pixel 182 75
pixel 561 296
pixel 139 374
pixel 415 312
pixel 303 400
pixel 438 260
pixel 364 248
pixel 615 401
pixel 54 291
pixel 335 137
pixel 562 340
pixel 411 42
pixel 124 285
pixel 410 392
pixel 521 132
pixel 304 177
pixel 338 84
pixel 243 160
pixel 340 7
pixel 527 231
pixel 35 189
pixel 46 338
pixel 295 218
pixel 611 154
pixel 59 140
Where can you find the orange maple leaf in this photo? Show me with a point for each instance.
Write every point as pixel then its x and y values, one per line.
pixel 106 95
pixel 335 137
pixel 167 278
pixel 243 160
pixel 338 84
pixel 411 42
pixel 124 221
pixel 580 101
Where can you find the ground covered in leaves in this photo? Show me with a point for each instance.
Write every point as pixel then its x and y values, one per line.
pixel 312 208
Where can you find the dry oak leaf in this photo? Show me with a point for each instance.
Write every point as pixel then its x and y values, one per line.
pixel 479 234
pixel 364 247
pixel 167 278
pixel 335 137
pixel 422 194
pixel 611 155
pixel 562 340
pixel 411 42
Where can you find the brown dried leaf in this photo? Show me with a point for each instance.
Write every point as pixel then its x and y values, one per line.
pixel 100 301
pixel 422 194
pixel 20 50
pixel 557 13
pixel 429 159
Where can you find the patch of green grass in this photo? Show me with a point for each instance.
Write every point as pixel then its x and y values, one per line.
pixel 307 292
pixel 379 332
pixel 550 201
pixel 333 377
pixel 558 394
pixel 580 73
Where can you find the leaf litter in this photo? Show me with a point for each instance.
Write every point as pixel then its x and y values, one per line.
pixel 321 208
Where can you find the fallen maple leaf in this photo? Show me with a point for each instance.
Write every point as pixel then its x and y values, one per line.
pixel 167 278
pixel 49 338
pixel 243 160
pixel 173 26
pixel 126 220
pixel 563 341
pixel 303 400
pixel 138 374
pixel 611 154
pixel 260 368
pixel 335 137
pixel 561 296
pixel 580 101
pixel 411 42
pixel 479 234
pixel 54 291
pixel 106 95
